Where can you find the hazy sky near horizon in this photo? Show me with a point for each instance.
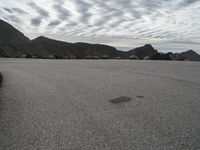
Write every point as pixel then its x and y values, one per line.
pixel 172 25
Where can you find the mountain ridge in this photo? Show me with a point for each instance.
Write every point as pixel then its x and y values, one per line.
pixel 14 43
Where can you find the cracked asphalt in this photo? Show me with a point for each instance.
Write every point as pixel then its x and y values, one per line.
pixel 99 105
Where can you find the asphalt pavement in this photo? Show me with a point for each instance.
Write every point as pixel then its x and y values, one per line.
pixel 99 105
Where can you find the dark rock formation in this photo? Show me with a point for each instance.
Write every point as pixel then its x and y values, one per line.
pixel 161 56
pixel 13 43
pixel 190 55
pixel 141 52
pixel 80 50
pixel 176 56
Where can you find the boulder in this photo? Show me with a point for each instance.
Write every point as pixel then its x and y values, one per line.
pixel 51 57
pixel 147 58
pixel 133 57
pixel 105 57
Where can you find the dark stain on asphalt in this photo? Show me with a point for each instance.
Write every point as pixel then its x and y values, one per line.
pixel 140 96
pixel 121 99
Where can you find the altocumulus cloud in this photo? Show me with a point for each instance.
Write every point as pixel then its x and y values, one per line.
pixel 35 21
pixel 121 23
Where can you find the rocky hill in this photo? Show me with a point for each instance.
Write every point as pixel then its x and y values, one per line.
pixel 141 52
pixel 13 43
pixel 190 55
pixel 79 50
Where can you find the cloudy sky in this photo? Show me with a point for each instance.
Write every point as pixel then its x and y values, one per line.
pixel 170 25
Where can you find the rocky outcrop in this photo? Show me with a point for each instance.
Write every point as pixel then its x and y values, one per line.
pixel 161 56
pixel 13 43
pixel 141 52
pixel 190 55
pixel 133 57
pixel 176 56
